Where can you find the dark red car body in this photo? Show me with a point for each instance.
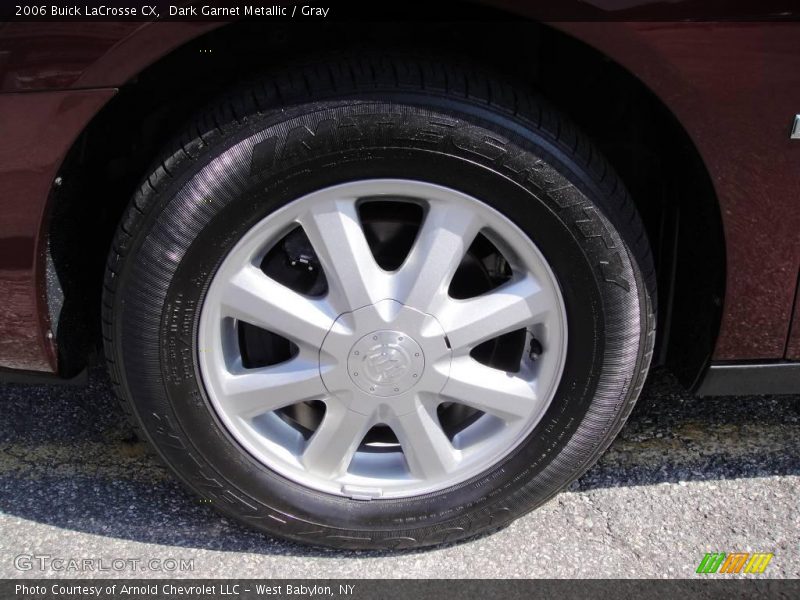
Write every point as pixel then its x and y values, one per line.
pixel 733 87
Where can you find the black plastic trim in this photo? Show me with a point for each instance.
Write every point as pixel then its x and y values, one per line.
pixel 40 378
pixel 725 379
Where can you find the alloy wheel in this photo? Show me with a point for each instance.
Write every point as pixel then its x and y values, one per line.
pixel 369 360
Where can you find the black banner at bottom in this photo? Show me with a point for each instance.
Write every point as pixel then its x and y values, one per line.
pixel 402 589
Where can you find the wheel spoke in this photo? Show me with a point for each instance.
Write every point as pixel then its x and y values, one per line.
pixel 256 391
pixel 441 244
pixel 512 306
pixel 330 450
pixel 427 449
pixel 334 230
pixel 253 297
pixel 490 390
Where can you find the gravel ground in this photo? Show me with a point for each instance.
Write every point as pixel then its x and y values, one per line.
pixel 686 476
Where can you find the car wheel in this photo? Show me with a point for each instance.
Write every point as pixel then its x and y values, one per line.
pixel 379 303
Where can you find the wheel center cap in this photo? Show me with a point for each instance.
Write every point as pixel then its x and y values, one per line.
pixel 385 363
pixel 379 358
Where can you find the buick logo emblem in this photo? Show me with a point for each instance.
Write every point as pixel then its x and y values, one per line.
pixel 387 364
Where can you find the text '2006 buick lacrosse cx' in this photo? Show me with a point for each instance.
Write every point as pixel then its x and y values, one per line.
pixel 396 284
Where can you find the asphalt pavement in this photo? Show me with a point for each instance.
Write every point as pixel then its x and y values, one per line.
pixel 686 476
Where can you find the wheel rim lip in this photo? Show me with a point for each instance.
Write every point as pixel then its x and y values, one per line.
pixel 269 230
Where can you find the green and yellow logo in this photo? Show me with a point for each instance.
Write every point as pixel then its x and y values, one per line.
pixel 736 562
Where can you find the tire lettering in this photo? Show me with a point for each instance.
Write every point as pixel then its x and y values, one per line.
pixel 593 227
pixel 612 271
pixel 301 140
pixel 263 155
pixel 489 147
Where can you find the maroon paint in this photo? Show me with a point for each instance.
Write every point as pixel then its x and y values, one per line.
pixel 37 56
pixel 733 86
pixel 793 345
pixel 37 131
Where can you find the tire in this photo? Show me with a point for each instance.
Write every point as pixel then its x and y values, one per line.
pixel 551 211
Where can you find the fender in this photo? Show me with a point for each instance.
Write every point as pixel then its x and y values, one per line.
pixel 733 86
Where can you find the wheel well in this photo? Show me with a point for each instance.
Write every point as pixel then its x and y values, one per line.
pixel 630 125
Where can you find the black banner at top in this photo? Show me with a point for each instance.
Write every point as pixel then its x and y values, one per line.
pixel 338 10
